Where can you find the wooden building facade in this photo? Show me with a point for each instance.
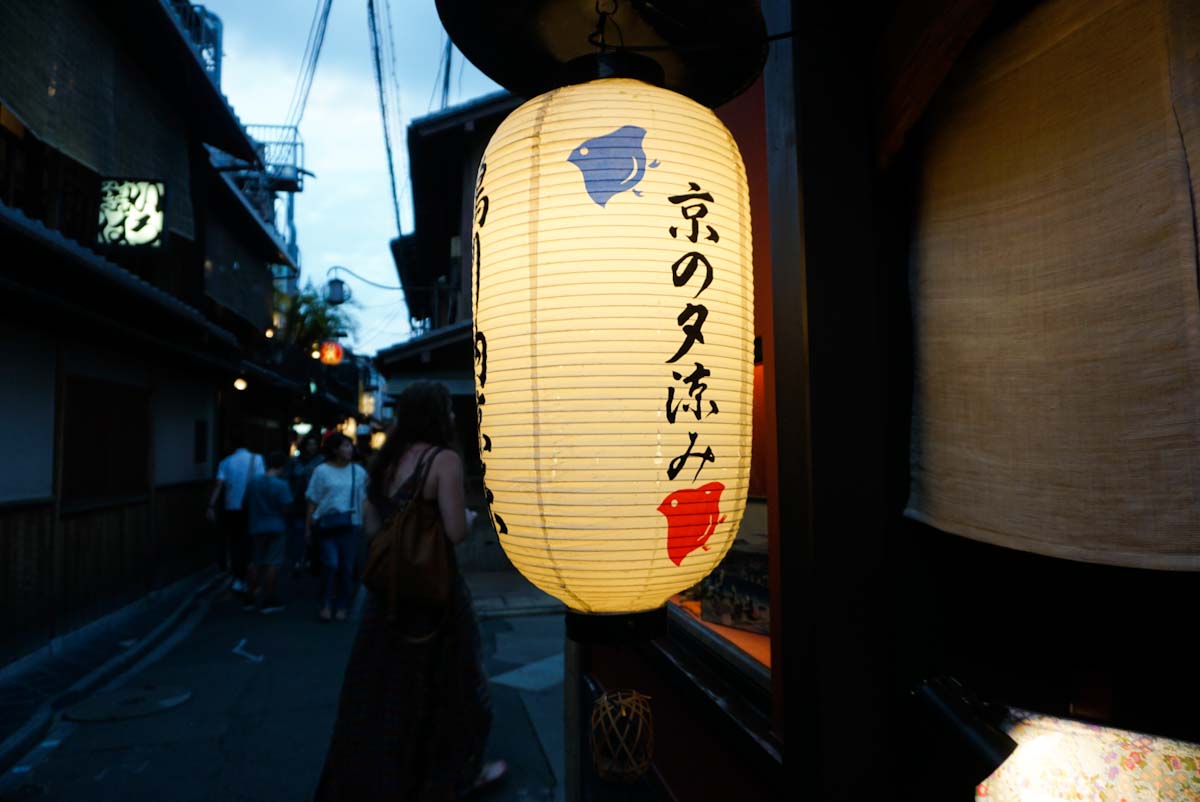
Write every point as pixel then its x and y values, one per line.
pixel 124 336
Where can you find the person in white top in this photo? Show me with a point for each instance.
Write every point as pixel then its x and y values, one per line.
pixel 233 475
pixel 335 496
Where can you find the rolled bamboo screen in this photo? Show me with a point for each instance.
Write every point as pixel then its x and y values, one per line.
pixel 1054 286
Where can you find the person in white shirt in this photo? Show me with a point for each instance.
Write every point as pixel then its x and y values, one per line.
pixel 233 475
pixel 335 496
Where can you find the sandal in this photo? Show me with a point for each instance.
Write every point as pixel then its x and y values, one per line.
pixel 491 773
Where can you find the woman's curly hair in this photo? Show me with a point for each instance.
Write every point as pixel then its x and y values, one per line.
pixel 422 416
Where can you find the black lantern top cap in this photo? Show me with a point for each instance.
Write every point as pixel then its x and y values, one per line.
pixel 708 50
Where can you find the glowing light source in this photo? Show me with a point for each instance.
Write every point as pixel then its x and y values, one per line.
pixel 301 428
pixel 316 354
pixel 331 353
pixel 378 439
pixel 269 334
pixel 1063 759
pixel 240 384
pixel 132 213
pixel 614 342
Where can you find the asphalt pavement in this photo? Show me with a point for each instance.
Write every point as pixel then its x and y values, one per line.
pixel 215 703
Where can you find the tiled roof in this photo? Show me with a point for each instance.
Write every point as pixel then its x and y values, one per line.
pixel 16 220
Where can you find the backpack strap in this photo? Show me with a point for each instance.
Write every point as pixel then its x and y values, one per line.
pixel 422 471
pixel 418 475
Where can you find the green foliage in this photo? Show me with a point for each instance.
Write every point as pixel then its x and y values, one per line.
pixel 306 318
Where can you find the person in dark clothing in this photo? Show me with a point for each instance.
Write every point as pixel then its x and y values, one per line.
pixel 267 500
pixel 233 476
pixel 415 712
pixel 298 473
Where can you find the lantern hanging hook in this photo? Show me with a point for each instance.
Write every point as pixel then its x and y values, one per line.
pixel 606 11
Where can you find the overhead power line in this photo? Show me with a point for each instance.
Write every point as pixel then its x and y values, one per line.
pixel 308 65
pixel 304 60
pixel 442 78
pixel 378 57
pixel 394 104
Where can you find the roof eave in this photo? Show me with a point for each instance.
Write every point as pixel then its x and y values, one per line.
pixel 55 242
pixel 438 338
pixel 268 237
pixel 161 34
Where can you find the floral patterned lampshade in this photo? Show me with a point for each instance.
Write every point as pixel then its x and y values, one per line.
pixel 1059 759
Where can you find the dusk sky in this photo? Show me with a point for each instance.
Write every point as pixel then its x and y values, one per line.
pixel 344 216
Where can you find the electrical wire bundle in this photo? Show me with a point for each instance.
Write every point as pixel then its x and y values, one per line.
pixel 387 84
pixel 308 64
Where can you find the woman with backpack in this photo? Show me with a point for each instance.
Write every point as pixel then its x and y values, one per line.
pixel 415 711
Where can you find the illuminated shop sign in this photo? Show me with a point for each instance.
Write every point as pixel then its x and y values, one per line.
pixel 132 213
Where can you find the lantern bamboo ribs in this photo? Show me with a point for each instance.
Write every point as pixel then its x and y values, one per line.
pixel 613 309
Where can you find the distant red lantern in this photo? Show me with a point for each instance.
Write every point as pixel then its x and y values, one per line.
pixel 331 353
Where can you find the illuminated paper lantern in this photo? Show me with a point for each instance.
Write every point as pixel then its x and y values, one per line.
pixel 613 342
pixel 331 353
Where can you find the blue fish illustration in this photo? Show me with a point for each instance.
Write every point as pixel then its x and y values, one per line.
pixel 612 163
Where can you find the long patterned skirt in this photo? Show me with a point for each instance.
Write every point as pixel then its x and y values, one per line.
pixel 413 719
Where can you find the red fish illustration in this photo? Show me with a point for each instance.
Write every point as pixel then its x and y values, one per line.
pixel 691 519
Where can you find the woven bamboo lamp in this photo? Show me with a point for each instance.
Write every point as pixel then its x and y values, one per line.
pixel 622 736
pixel 614 342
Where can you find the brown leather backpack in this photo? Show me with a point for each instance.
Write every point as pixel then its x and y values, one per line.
pixel 410 560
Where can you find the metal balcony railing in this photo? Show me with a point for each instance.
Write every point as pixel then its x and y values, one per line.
pixel 282 153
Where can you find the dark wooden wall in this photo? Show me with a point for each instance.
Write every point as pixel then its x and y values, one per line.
pixel 27 597
pixel 58 576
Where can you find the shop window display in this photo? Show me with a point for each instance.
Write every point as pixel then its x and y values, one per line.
pixel 733 602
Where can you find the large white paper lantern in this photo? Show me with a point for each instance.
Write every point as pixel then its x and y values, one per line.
pixel 614 341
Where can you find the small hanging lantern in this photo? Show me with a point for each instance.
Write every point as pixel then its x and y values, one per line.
pixel 614 342
pixel 331 353
pixel 335 292
pixel 240 384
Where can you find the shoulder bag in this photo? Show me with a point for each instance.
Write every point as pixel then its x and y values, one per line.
pixel 411 561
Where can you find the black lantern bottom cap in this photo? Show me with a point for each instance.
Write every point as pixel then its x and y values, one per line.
pixel 616 628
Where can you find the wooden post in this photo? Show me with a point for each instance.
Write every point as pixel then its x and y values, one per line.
pixel 57 581
pixel 784 382
pixel 573 723
pixel 832 394
pixel 151 546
